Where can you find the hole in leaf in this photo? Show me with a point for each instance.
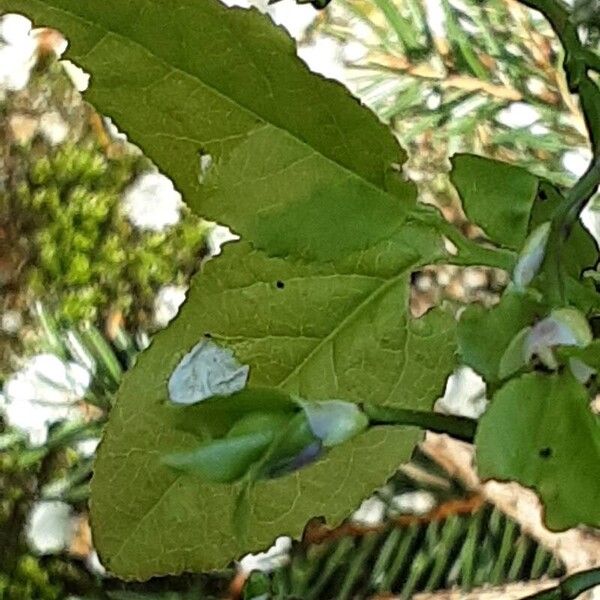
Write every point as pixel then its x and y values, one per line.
pixel 204 165
pixel 208 335
pixel 545 452
pixel 542 195
pixel 280 285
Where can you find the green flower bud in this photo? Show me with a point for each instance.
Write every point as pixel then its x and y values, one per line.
pixel 531 256
pixel 334 421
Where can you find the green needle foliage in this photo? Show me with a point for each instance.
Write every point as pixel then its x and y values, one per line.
pixel 471 545
pixel 314 301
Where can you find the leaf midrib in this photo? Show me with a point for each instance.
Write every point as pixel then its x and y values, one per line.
pixel 369 299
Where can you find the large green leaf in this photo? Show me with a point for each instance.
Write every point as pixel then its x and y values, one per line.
pixel 286 145
pixel 540 431
pixel 496 196
pixel 330 331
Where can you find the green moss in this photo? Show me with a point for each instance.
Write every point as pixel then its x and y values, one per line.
pixel 81 253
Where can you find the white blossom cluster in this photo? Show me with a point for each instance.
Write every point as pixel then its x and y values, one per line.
pixel 18 48
pixel 44 391
pixel 152 203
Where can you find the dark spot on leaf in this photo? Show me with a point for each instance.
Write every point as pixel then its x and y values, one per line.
pixel 208 335
pixel 542 195
pixel 280 285
pixel 545 452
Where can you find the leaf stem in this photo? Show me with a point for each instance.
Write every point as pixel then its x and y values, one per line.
pixel 578 197
pixel 461 428
pixel 577 62
pixel 570 587
pixel 469 252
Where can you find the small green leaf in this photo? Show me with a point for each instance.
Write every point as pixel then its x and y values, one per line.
pixel 590 355
pixel 258 586
pixel 224 460
pixel 496 196
pixel 581 371
pixel 485 334
pixel 291 442
pixel 515 356
pixel 531 256
pixel 539 430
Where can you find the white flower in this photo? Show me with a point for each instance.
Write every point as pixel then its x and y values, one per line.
pixel 49 527
pixel 323 56
pixel 152 203
pixel 577 161
pixel 167 303
pixel 114 132
pixel 11 321
pixel 354 51
pixel 54 128
pixel 276 556
pixel 14 28
pixel 517 115
pixel 418 502
pixel 295 18
pixel 433 100
pixel 370 512
pixel 17 52
pixel 591 219
pixel 464 394
pixel 92 562
pixel 87 448
pixel 43 392
pixel 539 129
pixel 536 85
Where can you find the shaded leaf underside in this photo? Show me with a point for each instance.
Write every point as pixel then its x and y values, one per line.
pixel 496 196
pixel 553 446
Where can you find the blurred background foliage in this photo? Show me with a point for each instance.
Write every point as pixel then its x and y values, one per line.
pixel 82 284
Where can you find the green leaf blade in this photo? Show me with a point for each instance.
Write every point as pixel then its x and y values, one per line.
pixel 540 431
pixel 330 332
pixel 206 79
pixel 496 196
pixel 484 335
